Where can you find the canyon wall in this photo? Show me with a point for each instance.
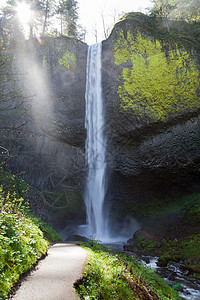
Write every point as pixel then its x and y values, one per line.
pixel 151 101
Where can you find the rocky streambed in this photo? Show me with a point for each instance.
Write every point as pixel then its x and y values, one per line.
pixel 177 277
pixel 174 259
pixel 175 274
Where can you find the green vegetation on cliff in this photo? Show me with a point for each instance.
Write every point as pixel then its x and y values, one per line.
pixel 64 205
pixel 68 61
pixel 170 251
pixel 157 83
pixel 112 275
pixel 178 240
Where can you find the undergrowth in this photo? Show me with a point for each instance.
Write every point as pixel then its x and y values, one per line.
pixel 24 239
pixel 187 206
pixel 49 233
pixel 186 250
pixel 112 275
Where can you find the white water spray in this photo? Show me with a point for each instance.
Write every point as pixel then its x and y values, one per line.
pixel 95 147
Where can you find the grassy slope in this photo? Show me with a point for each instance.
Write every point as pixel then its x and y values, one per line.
pixel 111 275
pixel 23 238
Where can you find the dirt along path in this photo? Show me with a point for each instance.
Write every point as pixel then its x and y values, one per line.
pixel 55 275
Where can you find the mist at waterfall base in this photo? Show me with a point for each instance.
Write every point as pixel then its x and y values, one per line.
pixel 98 224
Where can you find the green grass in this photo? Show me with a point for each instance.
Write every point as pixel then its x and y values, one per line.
pixel 112 275
pixel 187 250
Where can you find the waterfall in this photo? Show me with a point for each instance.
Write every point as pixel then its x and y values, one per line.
pixel 95 147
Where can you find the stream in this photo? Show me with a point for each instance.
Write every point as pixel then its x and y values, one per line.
pixel 189 287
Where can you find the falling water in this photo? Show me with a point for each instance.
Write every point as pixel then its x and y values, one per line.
pixel 95 147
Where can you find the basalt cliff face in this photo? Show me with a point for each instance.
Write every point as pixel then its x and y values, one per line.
pixel 49 147
pixel 151 93
pixel 43 123
pixel 151 99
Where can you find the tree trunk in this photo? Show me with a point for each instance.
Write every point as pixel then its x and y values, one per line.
pixel 45 17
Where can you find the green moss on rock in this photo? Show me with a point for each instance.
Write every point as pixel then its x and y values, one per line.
pixel 64 206
pixel 156 83
pixel 68 61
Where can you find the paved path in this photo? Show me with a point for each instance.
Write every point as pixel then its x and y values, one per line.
pixel 54 276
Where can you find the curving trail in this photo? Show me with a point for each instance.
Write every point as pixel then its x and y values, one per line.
pixel 54 276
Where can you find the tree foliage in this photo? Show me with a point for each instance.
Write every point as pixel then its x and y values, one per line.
pixel 68 10
pixel 163 8
pixel 187 10
pixel 11 14
pixel 176 9
pixel 43 18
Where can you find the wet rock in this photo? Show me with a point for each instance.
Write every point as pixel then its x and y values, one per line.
pixel 172 276
pixel 146 259
pixel 145 235
pixel 131 241
pixel 186 272
pixel 52 136
pixel 38 204
pixel 136 144
pixel 77 238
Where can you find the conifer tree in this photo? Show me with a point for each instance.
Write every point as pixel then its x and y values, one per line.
pixel 68 11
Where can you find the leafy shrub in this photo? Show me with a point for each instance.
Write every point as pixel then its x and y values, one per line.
pixel 21 242
pixel 49 233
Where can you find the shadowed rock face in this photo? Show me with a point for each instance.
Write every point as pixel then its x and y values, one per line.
pixel 50 145
pixel 148 158
pixel 160 143
pixel 148 153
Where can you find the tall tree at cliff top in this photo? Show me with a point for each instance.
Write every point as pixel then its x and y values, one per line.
pixel 68 11
pixel 39 12
pixel 48 10
pixel 16 13
pixel 188 10
pixel 163 9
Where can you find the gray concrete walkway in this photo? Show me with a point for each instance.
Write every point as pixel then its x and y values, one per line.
pixel 54 276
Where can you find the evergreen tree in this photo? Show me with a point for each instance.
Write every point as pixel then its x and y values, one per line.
pixel 176 9
pixel 48 10
pixel 187 10
pixel 42 11
pixel 163 9
pixel 68 11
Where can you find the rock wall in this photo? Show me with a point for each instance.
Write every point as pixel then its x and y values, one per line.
pixel 151 93
pixel 49 146
pixel 151 97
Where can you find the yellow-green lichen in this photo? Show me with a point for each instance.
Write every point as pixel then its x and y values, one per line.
pixel 158 84
pixel 46 66
pixel 68 61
